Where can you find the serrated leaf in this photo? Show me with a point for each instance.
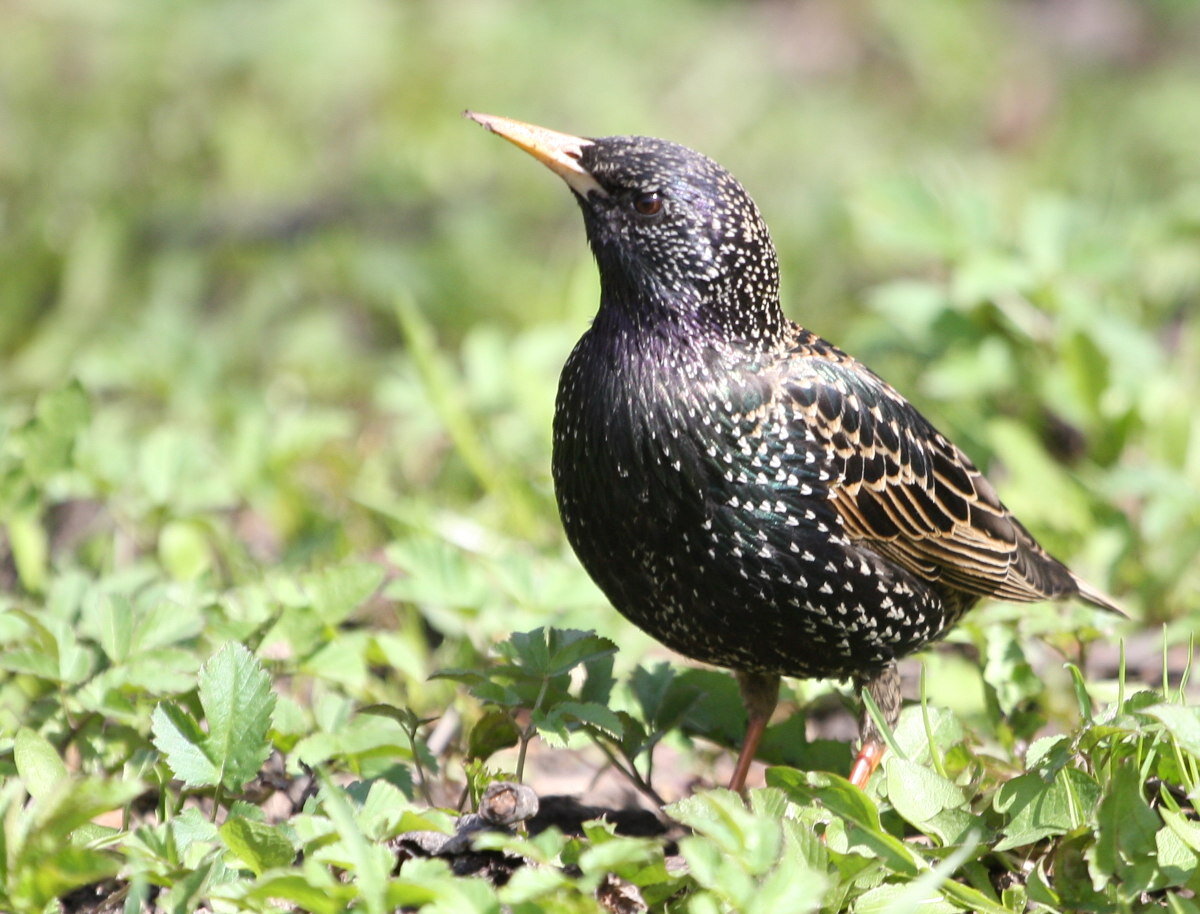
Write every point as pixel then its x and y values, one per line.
pixel 595 715
pixel 547 653
pixel 181 741
pixel 235 693
pixel 259 845
pixel 38 764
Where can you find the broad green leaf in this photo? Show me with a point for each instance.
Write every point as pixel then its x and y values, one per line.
pixel 1037 809
pixel 179 738
pixel 41 879
pixel 927 800
pixel 77 800
pixel 235 692
pixel 1182 722
pixel 1185 829
pixel 313 890
pixel 1126 830
pixel 1177 863
pixel 913 738
pixel 184 549
pixel 259 845
pixel 30 546
pixel 494 731
pixel 837 794
pixel 38 764
pixel 339 590
pixel 892 898
pixel 405 717
pixel 592 714
pixel 165 624
pixel 384 806
pixel 112 617
pixel 64 411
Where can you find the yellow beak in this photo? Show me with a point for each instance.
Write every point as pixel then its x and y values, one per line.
pixel 559 152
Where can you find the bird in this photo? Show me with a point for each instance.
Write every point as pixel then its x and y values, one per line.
pixel 738 487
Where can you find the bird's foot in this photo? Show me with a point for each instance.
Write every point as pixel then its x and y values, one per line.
pixel 865 763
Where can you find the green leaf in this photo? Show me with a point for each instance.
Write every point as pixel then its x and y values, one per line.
pixel 837 794
pixel 259 845
pixel 38 764
pixel 901 899
pixel 313 890
pixel 1177 862
pixel 338 591
pixel 1185 829
pixel 384 807
pixel 1182 722
pixel 1037 809
pixel 179 738
pixel 405 717
pixel 30 547
pixel 927 800
pixel 1125 839
pixel 113 621
pixel 592 714
pixel 235 692
pixel 552 652
pixel 371 862
pixel 184 549
pixel 65 411
pixel 494 731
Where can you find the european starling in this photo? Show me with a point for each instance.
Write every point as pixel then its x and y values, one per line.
pixel 739 488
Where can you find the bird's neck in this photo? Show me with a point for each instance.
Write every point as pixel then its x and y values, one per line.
pixel 743 318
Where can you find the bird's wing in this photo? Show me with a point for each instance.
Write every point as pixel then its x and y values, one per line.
pixel 899 484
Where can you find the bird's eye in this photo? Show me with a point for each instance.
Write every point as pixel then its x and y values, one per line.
pixel 648 204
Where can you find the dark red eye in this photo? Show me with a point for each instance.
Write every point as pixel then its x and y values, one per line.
pixel 648 204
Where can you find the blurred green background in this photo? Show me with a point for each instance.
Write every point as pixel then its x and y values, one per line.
pixel 317 315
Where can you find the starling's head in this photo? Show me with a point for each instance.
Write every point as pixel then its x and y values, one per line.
pixel 676 237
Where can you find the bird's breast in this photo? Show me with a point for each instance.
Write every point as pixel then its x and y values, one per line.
pixel 697 497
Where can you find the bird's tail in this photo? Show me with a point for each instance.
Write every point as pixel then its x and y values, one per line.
pixel 1097 598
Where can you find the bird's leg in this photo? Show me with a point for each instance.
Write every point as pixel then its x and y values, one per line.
pixel 884 689
pixel 760 692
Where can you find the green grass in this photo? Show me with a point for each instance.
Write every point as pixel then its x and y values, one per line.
pixel 279 335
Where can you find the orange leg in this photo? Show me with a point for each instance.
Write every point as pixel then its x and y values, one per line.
pixel 884 688
pixel 760 692
pixel 865 763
